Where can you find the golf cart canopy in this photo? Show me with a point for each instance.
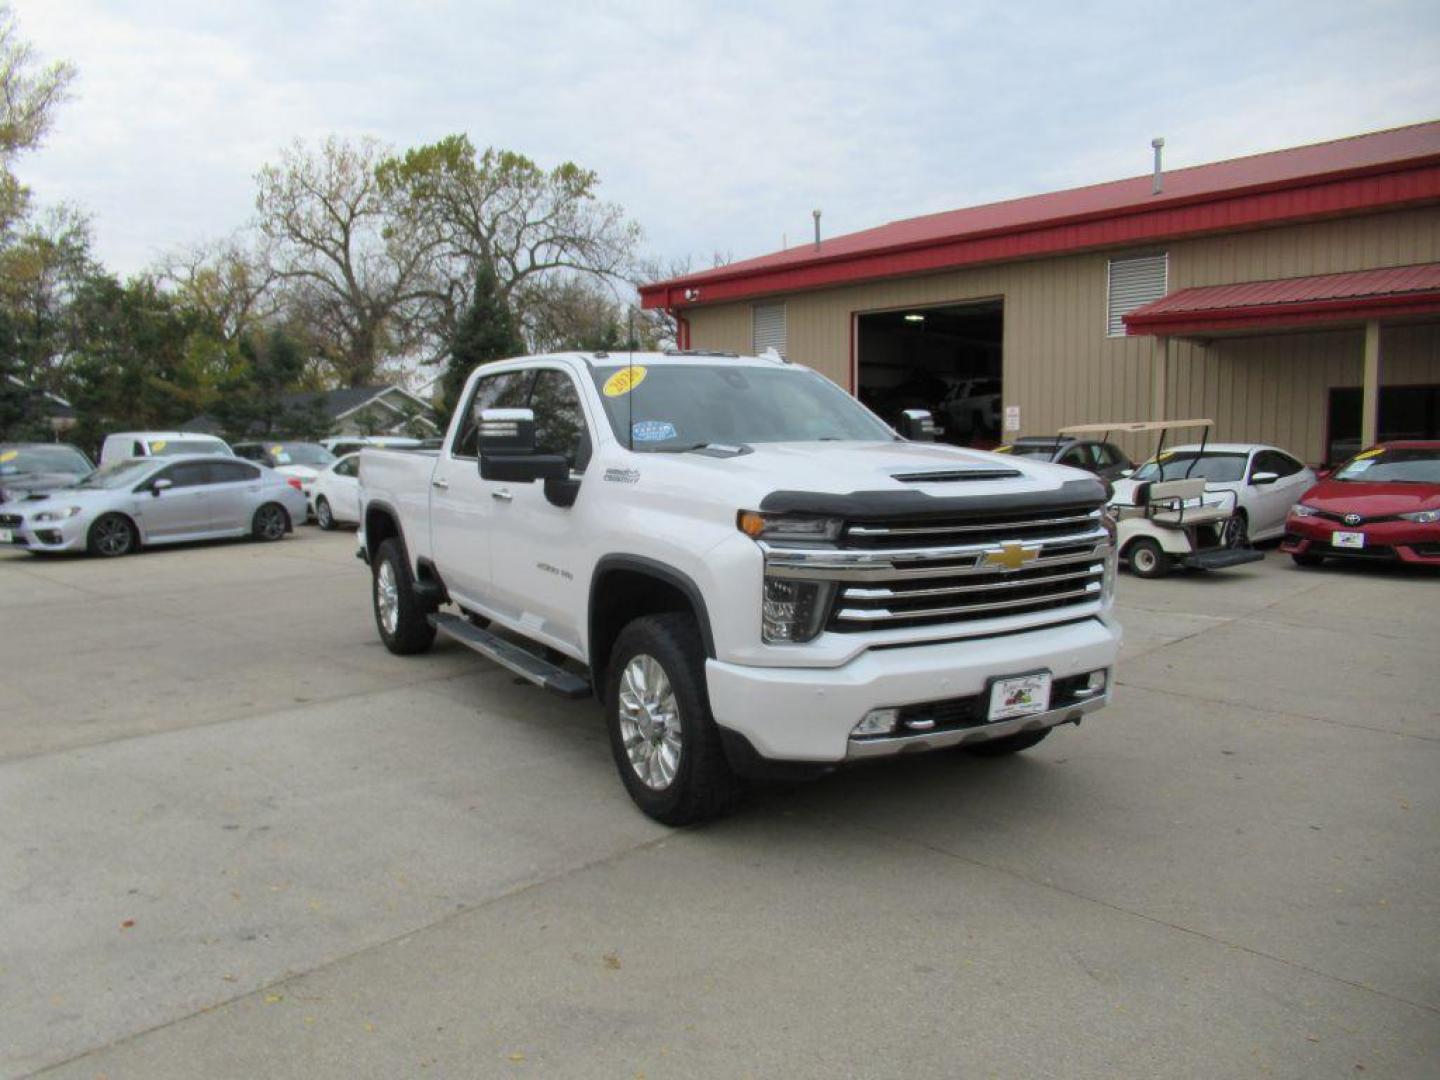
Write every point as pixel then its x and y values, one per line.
pixel 1132 427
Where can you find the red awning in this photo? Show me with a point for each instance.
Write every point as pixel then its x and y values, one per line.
pixel 1287 303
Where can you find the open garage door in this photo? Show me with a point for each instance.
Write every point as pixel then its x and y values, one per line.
pixel 945 359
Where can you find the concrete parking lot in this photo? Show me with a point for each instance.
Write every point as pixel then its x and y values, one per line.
pixel 239 839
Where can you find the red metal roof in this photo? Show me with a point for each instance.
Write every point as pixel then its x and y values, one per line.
pixel 1384 169
pixel 1303 301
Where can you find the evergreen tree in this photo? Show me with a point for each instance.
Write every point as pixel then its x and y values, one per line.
pixel 486 332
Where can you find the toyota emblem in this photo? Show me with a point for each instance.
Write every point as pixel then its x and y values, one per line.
pixel 1353 519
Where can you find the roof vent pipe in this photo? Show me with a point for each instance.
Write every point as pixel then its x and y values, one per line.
pixel 816 215
pixel 1155 184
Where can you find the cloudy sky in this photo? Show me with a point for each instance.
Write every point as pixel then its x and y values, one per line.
pixel 718 126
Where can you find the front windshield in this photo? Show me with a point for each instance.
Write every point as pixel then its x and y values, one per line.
pixel 23 460
pixel 674 407
pixel 171 447
pixel 118 474
pixel 1043 451
pixel 1190 464
pixel 1395 466
pixel 300 453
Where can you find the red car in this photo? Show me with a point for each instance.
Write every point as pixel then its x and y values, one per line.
pixel 1381 504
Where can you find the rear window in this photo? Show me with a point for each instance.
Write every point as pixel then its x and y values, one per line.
pixel 174 447
pixel 1398 466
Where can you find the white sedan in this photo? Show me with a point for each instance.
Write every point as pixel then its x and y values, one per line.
pixel 1265 481
pixel 335 493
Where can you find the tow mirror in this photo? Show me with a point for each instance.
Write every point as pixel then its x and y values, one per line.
pixel 507 448
pixel 160 485
pixel 1261 479
pixel 917 425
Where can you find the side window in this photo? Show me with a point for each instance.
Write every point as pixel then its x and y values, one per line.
pixel 137 449
pixel 1272 461
pixel 1285 465
pixel 346 467
pixel 231 472
pixel 559 419
pixel 508 390
pixel 1077 457
pixel 1109 455
pixel 185 475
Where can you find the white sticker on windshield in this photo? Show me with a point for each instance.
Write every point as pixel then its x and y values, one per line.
pixel 652 430
pixel 1359 465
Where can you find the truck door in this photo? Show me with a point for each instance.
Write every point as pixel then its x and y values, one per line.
pixel 461 504
pixel 535 579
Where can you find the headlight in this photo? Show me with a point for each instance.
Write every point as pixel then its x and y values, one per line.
pixel 56 515
pixel 793 611
pixel 1301 510
pixel 788 528
pixel 1424 517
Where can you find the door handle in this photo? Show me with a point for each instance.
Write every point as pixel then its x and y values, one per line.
pixel 503 494
pixel 443 485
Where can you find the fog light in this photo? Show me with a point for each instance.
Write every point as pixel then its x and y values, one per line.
pixel 1096 680
pixel 877 722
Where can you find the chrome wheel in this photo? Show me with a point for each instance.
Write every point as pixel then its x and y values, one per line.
pixel 270 522
pixel 650 722
pixel 387 597
pixel 323 517
pixel 113 536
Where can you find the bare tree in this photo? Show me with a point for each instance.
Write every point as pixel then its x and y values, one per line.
pixel 29 94
pixel 229 282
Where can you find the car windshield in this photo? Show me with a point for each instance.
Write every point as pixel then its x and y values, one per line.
pixel 23 460
pixel 300 453
pixel 171 447
pixel 1043 451
pixel 118 474
pixel 1191 464
pixel 1411 465
pixel 675 407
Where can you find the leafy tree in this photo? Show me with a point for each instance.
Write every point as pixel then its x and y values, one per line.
pixel 486 332
pixel 29 94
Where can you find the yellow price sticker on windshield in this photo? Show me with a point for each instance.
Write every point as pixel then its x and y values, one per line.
pixel 623 381
pixel 1003 449
pixel 157 446
pixel 1165 455
pixel 1369 454
pixel 277 449
pixel 9 455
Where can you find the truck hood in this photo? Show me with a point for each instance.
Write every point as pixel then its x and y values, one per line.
pixel 936 470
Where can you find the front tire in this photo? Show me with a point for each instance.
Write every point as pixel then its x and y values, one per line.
pixel 1237 532
pixel 324 516
pixel 663 737
pixel 111 536
pixel 270 522
pixel 400 616
pixel 1147 558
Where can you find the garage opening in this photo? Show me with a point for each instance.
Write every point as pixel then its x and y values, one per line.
pixel 945 359
pixel 1406 412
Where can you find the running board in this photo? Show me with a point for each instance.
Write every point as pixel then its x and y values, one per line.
pixel 1220 558
pixel 512 657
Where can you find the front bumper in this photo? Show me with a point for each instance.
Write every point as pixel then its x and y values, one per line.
pixel 28 535
pixel 807 714
pixel 1402 541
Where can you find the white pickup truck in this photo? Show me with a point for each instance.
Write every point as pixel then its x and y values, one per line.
pixel 754 574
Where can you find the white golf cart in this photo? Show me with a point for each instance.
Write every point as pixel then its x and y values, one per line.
pixel 1172 520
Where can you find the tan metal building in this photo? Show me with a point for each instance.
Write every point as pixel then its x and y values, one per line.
pixel 1246 290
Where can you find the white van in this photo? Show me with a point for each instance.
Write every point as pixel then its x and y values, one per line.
pixel 132 444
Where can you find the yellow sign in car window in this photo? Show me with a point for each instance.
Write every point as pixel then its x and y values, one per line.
pixel 9 455
pixel 157 446
pixel 623 381
pixel 1369 454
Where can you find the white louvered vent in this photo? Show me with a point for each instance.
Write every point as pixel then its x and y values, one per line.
pixel 1133 283
pixel 768 328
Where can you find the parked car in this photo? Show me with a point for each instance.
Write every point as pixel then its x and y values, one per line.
pixel 302 460
pixel 134 503
pixel 335 495
pixel 1264 480
pixel 1104 459
pixel 1383 503
pixel 971 407
pixel 27 467
pixel 349 444
pixel 134 444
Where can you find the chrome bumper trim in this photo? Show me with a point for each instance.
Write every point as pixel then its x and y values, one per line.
pixel 889 746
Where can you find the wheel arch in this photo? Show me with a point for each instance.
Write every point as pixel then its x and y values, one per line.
pixel 625 587
pixel 137 530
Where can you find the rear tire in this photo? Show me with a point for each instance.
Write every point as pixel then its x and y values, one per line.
pixel 400 615
pixel 324 516
pixel 1147 558
pixel 1310 562
pixel 663 737
pixel 1009 744
pixel 111 536
pixel 270 522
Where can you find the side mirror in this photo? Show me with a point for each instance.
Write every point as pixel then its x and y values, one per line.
pixel 506 440
pixel 160 485
pixel 1261 479
pixel 917 425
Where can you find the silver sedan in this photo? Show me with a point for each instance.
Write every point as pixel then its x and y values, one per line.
pixel 165 500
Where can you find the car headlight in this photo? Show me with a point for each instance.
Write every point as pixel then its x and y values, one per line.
pixel 1424 517
pixel 788 528
pixel 793 611
pixel 1301 510
pixel 56 515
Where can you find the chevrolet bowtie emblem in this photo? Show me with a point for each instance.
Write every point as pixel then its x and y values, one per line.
pixel 1010 556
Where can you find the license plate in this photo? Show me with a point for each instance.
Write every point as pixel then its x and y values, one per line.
pixel 1019 695
pixel 1348 539
pixel 6 536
